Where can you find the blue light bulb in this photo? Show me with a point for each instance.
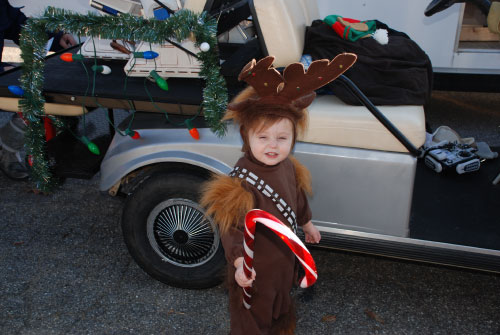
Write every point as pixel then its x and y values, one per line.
pixel 16 90
pixel 146 54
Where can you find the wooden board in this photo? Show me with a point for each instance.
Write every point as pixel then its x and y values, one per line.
pixel 477 33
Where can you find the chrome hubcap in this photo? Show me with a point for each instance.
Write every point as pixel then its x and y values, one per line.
pixel 181 234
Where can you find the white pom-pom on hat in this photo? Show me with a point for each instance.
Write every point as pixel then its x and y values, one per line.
pixel 381 36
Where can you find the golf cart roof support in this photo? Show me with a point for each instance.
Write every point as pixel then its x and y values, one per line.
pixel 376 112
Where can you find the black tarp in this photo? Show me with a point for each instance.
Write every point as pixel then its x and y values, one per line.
pixel 398 73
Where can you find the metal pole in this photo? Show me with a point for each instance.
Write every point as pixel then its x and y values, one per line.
pixel 376 112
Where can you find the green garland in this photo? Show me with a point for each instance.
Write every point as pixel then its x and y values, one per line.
pixel 127 27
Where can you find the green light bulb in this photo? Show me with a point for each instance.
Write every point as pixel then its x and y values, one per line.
pixel 93 148
pixel 90 145
pixel 162 83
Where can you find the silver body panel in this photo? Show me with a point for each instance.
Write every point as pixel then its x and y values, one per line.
pixel 354 189
pixel 358 189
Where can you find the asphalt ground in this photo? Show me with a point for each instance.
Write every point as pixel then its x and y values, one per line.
pixel 66 270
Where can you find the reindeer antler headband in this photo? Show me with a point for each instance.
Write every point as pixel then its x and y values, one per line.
pixel 295 88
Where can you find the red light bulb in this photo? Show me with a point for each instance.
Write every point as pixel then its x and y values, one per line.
pixel 69 57
pixel 192 130
pixel 132 133
pixel 194 133
pixel 136 136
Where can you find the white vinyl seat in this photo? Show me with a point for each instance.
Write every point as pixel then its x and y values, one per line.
pixel 333 122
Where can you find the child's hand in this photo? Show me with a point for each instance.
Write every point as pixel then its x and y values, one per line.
pixel 240 276
pixel 311 232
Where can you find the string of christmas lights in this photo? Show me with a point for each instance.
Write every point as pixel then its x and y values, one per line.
pixel 179 26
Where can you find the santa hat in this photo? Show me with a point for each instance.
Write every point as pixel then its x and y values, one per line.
pixel 353 30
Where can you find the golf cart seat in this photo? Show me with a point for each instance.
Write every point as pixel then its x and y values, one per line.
pixel 281 29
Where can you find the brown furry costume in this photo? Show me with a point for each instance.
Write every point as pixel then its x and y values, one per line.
pixel 228 199
pixel 270 98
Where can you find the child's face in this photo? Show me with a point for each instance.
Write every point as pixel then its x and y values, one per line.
pixel 272 145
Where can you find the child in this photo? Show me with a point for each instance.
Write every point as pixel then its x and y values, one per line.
pixel 271 115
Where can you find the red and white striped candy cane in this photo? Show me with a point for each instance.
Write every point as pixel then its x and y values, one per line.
pixel 287 236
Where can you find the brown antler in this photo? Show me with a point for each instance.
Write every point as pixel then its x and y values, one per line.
pixel 262 77
pixel 298 83
pixel 295 87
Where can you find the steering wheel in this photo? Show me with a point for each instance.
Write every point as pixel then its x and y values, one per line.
pixel 439 5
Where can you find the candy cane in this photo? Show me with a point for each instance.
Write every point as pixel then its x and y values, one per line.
pixel 287 236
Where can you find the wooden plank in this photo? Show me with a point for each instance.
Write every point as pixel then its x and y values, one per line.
pixel 139 105
pixel 477 33
pixel 12 105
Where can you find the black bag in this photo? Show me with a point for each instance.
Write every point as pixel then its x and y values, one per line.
pixel 398 73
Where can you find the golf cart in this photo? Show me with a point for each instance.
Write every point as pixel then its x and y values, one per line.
pixel 373 192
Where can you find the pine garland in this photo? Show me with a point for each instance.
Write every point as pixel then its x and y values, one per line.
pixel 128 27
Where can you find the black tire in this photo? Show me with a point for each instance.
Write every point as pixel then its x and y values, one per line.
pixel 168 235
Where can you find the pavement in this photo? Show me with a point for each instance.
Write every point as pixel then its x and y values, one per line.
pixel 66 270
pixel 471 114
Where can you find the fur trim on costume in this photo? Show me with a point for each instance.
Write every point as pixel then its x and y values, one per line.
pixel 302 175
pixel 298 117
pixel 226 200
pixel 247 93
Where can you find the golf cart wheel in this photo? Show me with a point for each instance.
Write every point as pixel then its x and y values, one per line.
pixel 169 236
